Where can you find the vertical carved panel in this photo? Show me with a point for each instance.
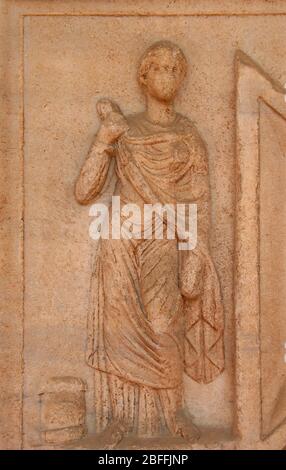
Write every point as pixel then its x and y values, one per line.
pixel 261 230
pixel 272 266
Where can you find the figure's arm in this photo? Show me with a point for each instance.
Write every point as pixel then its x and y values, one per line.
pixel 201 197
pixel 93 173
pixel 195 187
pixel 95 169
pixel 193 261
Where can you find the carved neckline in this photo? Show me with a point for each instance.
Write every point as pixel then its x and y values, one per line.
pixel 157 123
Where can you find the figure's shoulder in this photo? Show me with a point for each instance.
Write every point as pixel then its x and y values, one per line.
pixel 181 123
pixel 196 145
pixel 187 126
pixel 134 117
pixel 136 124
pixel 139 125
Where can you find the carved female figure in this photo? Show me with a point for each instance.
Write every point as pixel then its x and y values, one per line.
pixel 155 311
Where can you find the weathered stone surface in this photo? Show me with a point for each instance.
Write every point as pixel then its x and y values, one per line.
pixel 58 59
pixel 63 410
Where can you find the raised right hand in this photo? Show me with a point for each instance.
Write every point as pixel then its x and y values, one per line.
pixel 113 123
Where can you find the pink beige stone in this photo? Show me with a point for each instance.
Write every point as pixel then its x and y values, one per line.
pixel 58 59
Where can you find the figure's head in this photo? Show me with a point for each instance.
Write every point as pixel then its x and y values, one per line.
pixel 162 70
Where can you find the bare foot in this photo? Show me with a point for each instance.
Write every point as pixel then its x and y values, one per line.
pixel 186 429
pixel 112 435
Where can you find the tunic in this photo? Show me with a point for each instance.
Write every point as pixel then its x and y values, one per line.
pixel 155 312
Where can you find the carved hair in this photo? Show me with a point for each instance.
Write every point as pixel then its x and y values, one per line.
pixel 154 51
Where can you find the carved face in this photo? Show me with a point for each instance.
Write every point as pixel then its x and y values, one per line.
pixel 164 75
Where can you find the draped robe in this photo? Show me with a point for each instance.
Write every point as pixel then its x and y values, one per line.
pixel 155 312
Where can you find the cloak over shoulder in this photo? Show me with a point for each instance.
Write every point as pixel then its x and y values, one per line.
pixel 157 165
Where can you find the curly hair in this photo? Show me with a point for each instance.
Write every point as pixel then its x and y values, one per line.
pixel 154 51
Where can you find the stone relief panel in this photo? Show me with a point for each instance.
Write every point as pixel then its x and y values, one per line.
pixel 68 142
pixel 155 312
pixel 77 70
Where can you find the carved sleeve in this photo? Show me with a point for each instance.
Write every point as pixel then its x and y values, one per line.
pixel 204 316
pixel 93 173
pixel 199 188
pixel 201 181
